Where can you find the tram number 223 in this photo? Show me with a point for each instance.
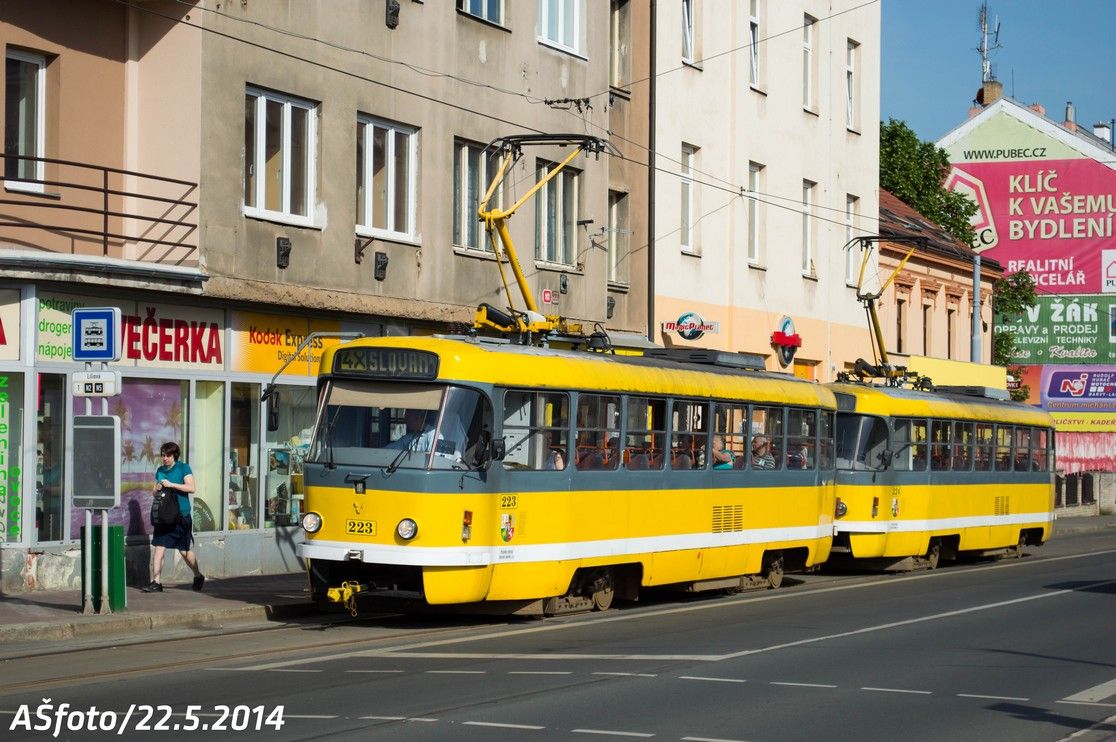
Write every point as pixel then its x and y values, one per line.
pixel 508 501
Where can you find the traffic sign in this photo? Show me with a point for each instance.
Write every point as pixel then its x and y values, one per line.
pixel 96 334
pixel 95 383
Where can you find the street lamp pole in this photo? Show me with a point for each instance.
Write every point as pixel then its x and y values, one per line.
pixel 975 347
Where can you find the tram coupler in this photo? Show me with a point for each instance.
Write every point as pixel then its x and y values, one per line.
pixel 346 595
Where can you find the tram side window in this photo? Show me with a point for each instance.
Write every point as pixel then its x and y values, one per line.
pixel 687 434
pixel 861 442
pixel 767 444
pixel 1041 450
pixel 598 431
pixel 536 430
pixel 941 444
pixel 802 431
pixel 826 443
pixel 1003 448
pixel 730 422
pixel 963 436
pixel 911 444
pixel 1022 449
pixel 645 433
pixel 985 451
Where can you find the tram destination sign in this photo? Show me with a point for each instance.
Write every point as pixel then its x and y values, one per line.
pixel 394 363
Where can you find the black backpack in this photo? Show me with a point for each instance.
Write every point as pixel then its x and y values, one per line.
pixel 164 509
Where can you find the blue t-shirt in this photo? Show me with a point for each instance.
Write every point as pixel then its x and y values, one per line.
pixel 177 474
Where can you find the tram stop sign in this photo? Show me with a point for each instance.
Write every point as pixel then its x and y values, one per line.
pixel 96 334
pixel 96 464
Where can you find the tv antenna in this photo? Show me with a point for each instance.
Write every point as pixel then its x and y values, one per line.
pixel 984 49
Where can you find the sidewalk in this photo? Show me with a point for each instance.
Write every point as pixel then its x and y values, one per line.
pixel 56 616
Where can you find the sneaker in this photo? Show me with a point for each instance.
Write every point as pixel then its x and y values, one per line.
pixel 198 582
pixel 153 587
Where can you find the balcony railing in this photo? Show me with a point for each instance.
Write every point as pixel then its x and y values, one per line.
pixel 82 209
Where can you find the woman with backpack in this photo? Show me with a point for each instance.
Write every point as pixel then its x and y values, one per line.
pixel 174 477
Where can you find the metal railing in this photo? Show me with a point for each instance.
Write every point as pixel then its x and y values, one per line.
pixel 76 207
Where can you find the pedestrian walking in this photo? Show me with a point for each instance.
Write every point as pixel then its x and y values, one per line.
pixel 174 476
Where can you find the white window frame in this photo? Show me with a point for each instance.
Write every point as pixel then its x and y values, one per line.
pixel 852 252
pixel 465 220
pixel 567 13
pixel 688 31
pixel 686 238
pixel 619 231
pixel 257 159
pixel 405 232
pixel 620 43
pixel 754 68
pixel 808 24
pixel 808 199
pixel 482 9
pixel 561 191
pixel 755 175
pixel 39 61
pixel 852 51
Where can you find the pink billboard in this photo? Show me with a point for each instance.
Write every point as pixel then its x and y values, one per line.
pixel 1051 218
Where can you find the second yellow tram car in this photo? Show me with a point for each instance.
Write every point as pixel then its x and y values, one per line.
pixel 924 476
pixel 452 470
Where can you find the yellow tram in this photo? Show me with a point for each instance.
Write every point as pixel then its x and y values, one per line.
pixel 455 470
pixel 923 476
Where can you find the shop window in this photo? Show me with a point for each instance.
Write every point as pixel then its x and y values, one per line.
pixel 152 412
pixel 244 436
pixel 11 456
pixel 286 450
pixel 208 421
pixel 50 472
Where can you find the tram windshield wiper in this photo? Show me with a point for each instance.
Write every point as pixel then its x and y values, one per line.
pixel 404 454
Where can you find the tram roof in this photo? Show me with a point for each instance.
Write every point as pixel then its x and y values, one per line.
pixel 519 365
pixel 896 402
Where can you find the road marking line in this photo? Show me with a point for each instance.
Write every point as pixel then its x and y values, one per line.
pixel 409 650
pixel 540 672
pixel 615 734
pixel 712 680
pixel 1087 703
pixel 900 690
pixel 628 674
pixel 1102 724
pixel 804 685
pixel 503 656
pixel 383 718
pixel 291 669
pixel 500 726
pixel 708 739
pixel 992 698
pixel 375 671
pixel 1096 693
pixel 455 672
pixel 305 716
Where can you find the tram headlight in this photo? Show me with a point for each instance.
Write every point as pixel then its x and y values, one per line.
pixel 841 509
pixel 407 529
pixel 311 522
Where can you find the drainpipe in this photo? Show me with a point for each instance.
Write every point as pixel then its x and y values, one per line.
pixel 652 157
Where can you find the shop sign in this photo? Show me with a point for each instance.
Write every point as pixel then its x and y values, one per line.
pixel 1084 422
pixel 11 508
pixel 786 341
pixel 690 326
pixel 9 325
pixel 1064 330
pixel 1079 388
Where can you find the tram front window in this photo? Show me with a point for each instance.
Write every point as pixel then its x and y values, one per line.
pixel 405 426
pixel 861 443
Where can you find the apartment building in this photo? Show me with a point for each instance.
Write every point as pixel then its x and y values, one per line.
pixel 235 176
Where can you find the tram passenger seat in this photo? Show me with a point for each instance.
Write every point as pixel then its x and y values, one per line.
pixel 591 460
pixel 639 461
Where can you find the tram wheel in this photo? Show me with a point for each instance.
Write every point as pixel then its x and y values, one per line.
pixel 604 590
pixel 773 570
pixel 933 554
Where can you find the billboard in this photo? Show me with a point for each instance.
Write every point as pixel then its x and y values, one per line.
pixel 1064 330
pixel 1079 388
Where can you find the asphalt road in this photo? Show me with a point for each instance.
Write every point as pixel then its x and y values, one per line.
pixel 1015 650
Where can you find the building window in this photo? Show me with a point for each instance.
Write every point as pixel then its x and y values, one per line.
pixel 808 268
pixel 279 136
pixel 618 237
pixel 927 327
pixel 755 172
pixel 687 30
pixel 24 118
pixel 490 10
pixel 620 40
pixel 385 163
pixel 473 170
pixel 808 62
pixel 951 320
pixel 686 228
pixel 559 23
pixel 852 85
pixel 900 323
pixel 754 42
pixel 853 254
pixel 556 215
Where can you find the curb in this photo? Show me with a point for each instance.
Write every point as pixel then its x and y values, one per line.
pixel 117 624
